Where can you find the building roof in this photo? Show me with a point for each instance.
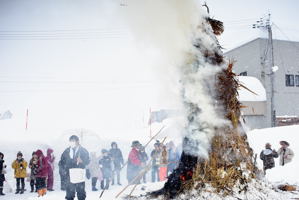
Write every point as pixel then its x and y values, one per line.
pixel 255 40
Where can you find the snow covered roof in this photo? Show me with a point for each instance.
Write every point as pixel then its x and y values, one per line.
pixel 254 85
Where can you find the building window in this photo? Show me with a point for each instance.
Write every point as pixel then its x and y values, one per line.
pixel 297 80
pixel 243 73
pixel 290 80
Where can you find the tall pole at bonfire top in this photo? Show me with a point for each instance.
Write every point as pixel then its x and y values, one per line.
pixel 266 24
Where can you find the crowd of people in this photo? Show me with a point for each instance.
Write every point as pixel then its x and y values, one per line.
pixel 76 164
pixel 284 153
pixel 41 172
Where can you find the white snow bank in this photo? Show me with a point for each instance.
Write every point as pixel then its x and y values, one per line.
pixel 259 137
pixel 254 85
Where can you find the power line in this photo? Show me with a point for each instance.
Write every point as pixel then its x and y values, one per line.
pixel 60 34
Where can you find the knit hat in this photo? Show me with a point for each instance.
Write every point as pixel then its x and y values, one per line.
pixel 19 154
pixel 135 143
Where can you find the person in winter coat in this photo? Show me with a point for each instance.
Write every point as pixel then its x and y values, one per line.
pixel 285 153
pixel 42 173
pixel 134 163
pixel 62 174
pixel 2 172
pixel 74 157
pixel 163 164
pixel 50 159
pixel 144 158
pixel 19 166
pixel 118 161
pixel 173 157
pixel 106 167
pixel 94 170
pixel 267 156
pixel 33 165
pixel 156 156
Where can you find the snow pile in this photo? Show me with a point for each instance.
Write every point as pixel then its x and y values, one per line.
pixel 254 85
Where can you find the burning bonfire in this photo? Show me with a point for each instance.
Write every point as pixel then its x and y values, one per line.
pixel 229 161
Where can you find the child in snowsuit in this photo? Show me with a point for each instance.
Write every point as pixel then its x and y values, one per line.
pixel 42 173
pixel 33 167
pixel 19 166
pixel 94 170
pixel 2 177
pixel 106 167
pixel 50 160
pixel 267 156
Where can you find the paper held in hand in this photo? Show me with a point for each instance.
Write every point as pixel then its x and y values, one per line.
pixel 77 175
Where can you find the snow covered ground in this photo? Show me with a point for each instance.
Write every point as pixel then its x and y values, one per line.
pixel 257 139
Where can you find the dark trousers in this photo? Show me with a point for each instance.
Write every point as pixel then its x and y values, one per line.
pixel 1 184
pixel 40 183
pixel 94 182
pixel 32 183
pixel 20 182
pixel 103 185
pixel 155 173
pixel 71 190
pixel 117 173
pixel 63 182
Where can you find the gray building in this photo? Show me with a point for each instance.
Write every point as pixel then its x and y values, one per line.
pixel 253 59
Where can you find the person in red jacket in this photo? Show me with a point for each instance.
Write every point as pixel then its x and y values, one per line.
pixel 42 173
pixel 134 163
pixel 50 159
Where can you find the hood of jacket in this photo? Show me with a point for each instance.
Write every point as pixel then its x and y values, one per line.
pixel 49 151
pixel 39 153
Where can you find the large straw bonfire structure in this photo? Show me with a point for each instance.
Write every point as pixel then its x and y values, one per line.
pixel 229 163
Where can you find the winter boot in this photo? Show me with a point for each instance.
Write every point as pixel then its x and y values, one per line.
pixel 45 191
pixel 1 192
pixel 22 191
pixel 94 189
pixel 17 191
pixel 40 192
pixel 32 188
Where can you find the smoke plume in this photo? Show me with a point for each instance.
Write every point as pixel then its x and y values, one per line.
pixel 178 31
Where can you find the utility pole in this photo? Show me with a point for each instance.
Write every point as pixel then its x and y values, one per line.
pixel 266 24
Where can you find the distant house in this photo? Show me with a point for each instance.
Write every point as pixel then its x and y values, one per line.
pixel 253 104
pixel 253 59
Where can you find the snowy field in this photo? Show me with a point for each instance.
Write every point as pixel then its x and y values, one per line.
pixel 257 139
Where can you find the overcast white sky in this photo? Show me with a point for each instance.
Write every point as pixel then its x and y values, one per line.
pixel 74 63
